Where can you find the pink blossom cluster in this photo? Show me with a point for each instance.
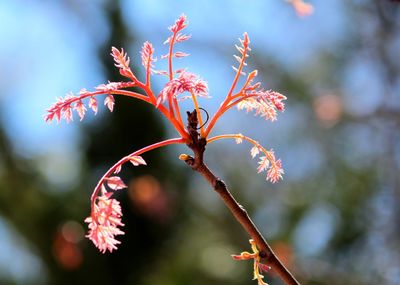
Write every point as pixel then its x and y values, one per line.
pixel 267 162
pixel 104 222
pixel 264 103
pixel 273 166
pixel 185 82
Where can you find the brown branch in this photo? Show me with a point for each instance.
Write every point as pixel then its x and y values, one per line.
pixel 198 145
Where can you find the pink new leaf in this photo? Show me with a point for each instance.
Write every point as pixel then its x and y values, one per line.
pixel 93 104
pixel 254 151
pixel 264 103
pixel 67 113
pixel 118 169
pixel 81 109
pixel 182 37
pixel 239 139
pixel 109 102
pixel 272 166
pixel 263 164
pixel 180 54
pixel 115 183
pixel 179 24
pixel 137 160
pixel 178 38
pixel 122 62
pixel 147 55
pixel 61 109
pixel 120 57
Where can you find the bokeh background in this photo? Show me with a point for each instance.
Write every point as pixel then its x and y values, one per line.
pixel 334 219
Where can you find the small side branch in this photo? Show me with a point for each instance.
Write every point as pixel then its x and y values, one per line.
pixel 198 145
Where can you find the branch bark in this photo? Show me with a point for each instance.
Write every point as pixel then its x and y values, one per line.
pixel 198 145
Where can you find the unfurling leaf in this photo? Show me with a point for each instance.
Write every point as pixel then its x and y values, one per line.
pixel 109 102
pixel 115 183
pixel 93 104
pixel 137 160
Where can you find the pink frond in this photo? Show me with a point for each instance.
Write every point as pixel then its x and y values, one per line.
pixel 264 103
pixel 179 25
pixel 275 172
pixel 272 166
pixel 104 222
pixel 277 99
pixel 185 82
pixel 120 57
pixel 243 51
pixel 122 62
pixel 61 109
pixel 147 55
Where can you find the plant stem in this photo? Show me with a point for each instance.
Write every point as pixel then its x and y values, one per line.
pixel 197 144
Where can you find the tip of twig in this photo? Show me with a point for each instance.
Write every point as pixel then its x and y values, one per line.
pixel 187 158
pixel 184 157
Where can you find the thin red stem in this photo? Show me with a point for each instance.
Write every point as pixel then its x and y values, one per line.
pixel 178 124
pixel 147 89
pixel 228 97
pixel 130 94
pixel 171 46
pixel 178 112
pixel 148 72
pixel 238 73
pixel 126 159
pixel 225 107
